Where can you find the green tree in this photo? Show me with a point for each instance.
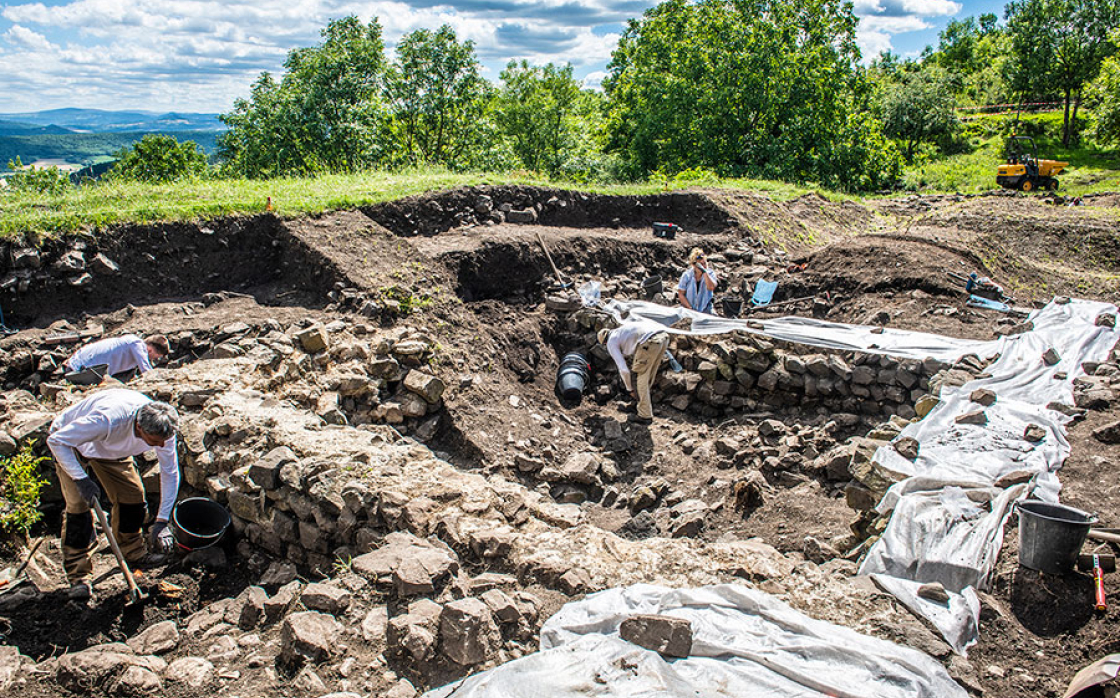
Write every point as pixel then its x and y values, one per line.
pixel 1058 47
pixel 159 158
pixel 325 115
pixel 1104 95
pixel 545 114
pixel 958 50
pixel 438 98
pixel 918 110
pixel 747 87
pixel 38 180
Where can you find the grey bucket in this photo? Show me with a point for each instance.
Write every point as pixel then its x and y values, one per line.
pixel 1051 535
pixel 652 286
pixel 198 522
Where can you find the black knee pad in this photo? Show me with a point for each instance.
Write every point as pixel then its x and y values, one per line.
pixel 79 530
pixel 132 517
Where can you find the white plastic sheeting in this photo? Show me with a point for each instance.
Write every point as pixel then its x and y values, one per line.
pixel 745 644
pixel 931 537
pixel 902 344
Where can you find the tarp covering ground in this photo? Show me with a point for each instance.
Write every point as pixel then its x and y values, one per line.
pixel 745 644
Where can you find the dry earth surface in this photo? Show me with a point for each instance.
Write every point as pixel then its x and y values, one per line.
pixel 443 326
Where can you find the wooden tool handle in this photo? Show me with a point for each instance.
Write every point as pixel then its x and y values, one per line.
pixel 133 587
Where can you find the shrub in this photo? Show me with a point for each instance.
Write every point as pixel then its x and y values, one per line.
pixel 20 484
pixel 40 180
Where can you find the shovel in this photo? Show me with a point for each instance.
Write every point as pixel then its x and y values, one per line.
pixel 135 593
pixel 19 570
pixel 559 279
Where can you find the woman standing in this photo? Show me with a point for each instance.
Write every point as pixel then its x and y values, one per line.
pixel 696 289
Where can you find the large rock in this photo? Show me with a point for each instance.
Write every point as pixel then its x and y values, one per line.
pixel 434 560
pixel 581 467
pixel 247 610
pixel 666 635
pixel 78 671
pixel 313 339
pixel 467 632
pixel 138 681
pixel 156 639
pixel 326 598
pixel 195 672
pixel 415 632
pixel 426 386
pixel 308 636
pixel 278 604
pixel 10 662
pixel 1109 433
pixel 266 471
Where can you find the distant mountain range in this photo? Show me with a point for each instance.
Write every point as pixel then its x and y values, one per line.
pixel 91 136
pixel 98 121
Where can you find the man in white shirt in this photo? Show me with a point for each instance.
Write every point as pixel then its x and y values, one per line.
pixel 103 432
pixel 645 341
pixel 115 356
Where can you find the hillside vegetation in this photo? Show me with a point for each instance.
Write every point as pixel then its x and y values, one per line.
pixel 735 93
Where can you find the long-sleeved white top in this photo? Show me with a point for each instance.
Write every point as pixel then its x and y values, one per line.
pixel 624 340
pixel 104 426
pixel 121 353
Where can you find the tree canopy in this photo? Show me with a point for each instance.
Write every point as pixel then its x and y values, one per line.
pixel 747 87
pixel 438 98
pixel 1058 46
pixel 326 115
pixel 159 158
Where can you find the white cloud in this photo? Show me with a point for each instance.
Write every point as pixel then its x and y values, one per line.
pixel 202 54
pixel 22 37
pixel 932 8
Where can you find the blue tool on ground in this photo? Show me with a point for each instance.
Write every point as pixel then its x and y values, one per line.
pixel 4 329
pixel 763 293
pixel 673 363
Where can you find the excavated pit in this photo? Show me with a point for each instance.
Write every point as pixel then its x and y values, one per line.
pixel 457 269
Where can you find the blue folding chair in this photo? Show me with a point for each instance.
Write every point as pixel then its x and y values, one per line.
pixel 763 293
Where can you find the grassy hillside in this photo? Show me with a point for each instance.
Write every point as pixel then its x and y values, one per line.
pixel 1090 170
pixel 107 203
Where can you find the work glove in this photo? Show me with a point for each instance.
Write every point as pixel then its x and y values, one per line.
pixel 163 540
pixel 88 490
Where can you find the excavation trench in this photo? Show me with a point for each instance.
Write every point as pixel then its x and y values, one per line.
pixel 745 428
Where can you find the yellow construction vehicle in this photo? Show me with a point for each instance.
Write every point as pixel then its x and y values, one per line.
pixel 1025 171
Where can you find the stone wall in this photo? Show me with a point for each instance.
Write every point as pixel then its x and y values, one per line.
pixel 741 372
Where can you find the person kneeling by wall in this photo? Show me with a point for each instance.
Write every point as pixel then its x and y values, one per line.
pixel 644 342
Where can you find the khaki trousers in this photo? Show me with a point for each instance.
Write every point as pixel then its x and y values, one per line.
pixel 643 370
pixel 121 482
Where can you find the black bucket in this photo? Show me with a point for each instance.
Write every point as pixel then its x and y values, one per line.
pixel 198 522
pixel 731 306
pixel 1051 535
pixel 652 286
pixel 571 379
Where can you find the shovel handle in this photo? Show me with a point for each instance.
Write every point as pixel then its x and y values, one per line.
pixel 133 588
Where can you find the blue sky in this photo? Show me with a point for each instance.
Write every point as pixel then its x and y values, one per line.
pixel 199 55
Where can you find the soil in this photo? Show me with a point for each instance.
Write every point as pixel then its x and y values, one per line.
pixel 479 289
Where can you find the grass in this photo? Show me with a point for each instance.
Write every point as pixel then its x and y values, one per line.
pixel 108 203
pixel 1089 171
pixel 90 207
